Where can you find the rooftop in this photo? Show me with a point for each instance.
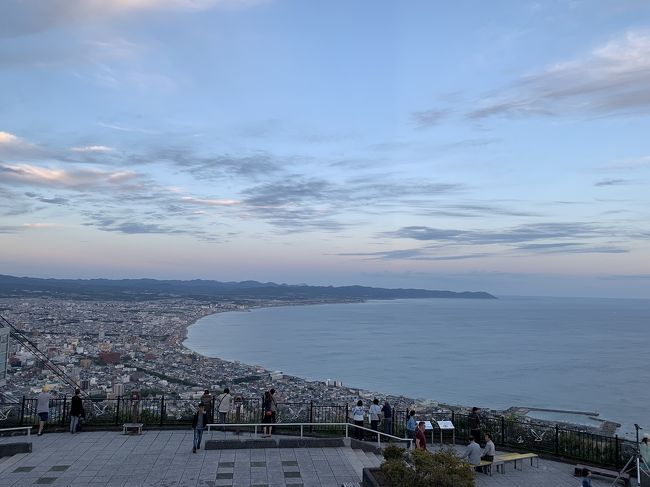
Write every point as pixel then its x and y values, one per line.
pixel 164 459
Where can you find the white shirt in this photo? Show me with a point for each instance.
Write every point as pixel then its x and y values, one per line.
pixel 224 401
pixel 43 404
pixel 375 411
pixel 489 448
pixel 358 413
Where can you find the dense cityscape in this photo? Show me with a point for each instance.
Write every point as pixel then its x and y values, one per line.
pixel 111 348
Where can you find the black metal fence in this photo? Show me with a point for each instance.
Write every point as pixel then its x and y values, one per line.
pixel 164 412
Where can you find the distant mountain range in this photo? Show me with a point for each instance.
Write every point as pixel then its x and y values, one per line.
pixel 138 289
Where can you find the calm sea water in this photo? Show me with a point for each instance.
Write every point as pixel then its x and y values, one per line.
pixel 565 353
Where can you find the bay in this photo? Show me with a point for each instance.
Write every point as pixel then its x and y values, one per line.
pixel 563 353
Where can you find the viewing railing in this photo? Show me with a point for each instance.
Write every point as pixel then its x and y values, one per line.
pixel 311 427
pixel 165 412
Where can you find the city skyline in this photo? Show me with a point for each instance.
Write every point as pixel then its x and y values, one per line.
pixel 498 148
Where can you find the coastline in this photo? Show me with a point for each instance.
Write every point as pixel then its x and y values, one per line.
pixel 605 427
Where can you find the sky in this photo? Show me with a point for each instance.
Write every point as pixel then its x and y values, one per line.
pixel 484 146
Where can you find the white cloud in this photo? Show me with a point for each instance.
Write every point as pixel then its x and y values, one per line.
pixel 80 179
pixel 6 138
pixel 23 17
pixel 41 225
pixel 209 202
pixel 612 79
pixel 92 148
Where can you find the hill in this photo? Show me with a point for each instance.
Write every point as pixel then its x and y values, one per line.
pixel 138 289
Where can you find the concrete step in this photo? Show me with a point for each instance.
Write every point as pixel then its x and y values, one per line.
pixel 374 459
pixel 354 460
pixel 8 462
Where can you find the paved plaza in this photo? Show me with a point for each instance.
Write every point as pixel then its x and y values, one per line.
pixel 165 459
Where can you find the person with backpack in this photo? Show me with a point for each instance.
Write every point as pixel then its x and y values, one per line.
pixel 224 405
pixel 267 418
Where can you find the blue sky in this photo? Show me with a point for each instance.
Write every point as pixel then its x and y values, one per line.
pixel 498 146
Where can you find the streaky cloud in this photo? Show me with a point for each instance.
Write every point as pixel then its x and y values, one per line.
pixel 611 80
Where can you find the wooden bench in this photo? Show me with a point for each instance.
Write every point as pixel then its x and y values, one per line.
pixel 514 458
pixel 135 427
pixel 487 466
pixel 602 472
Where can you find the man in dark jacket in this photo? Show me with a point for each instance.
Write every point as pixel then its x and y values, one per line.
pixel 475 424
pixel 198 425
pixel 76 411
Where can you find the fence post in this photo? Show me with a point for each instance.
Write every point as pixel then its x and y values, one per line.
pixel 557 440
pixel 618 452
pixel 162 409
pixel 503 430
pixel 311 415
pixel 117 411
pixel 65 406
pixel 22 412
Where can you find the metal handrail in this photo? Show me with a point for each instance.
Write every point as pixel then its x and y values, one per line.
pixel 28 429
pixel 302 425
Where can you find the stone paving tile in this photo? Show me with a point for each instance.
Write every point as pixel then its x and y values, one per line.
pixel 164 459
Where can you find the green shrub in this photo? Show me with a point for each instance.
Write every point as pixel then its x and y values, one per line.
pixel 441 469
pixel 393 452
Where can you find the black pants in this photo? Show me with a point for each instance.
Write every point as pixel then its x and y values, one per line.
pixel 476 434
pixel 358 433
pixel 374 424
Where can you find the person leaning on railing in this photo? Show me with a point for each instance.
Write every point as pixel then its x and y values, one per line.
pixel 411 425
pixel 43 408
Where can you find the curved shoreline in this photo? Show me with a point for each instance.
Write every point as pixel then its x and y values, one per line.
pixel 518 410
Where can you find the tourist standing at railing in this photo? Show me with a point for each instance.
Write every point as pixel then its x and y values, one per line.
pixel 224 405
pixel 267 418
pixel 43 408
pixel 387 411
pixel 135 406
pixel 475 424
pixel 411 426
pixel 374 413
pixel 206 400
pixel 198 425
pixel 76 411
pixel 274 409
pixel 358 414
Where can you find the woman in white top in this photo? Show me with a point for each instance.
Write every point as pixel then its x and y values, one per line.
pixel 358 415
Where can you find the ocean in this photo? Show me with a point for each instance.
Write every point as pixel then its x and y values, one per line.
pixel 562 353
